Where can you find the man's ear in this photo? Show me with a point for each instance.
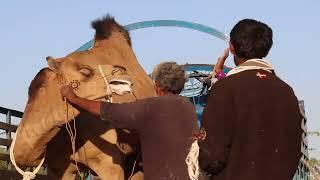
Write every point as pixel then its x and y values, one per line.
pixel 53 64
pixel 159 90
pixel 231 48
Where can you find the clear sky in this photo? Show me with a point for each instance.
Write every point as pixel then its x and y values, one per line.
pixel 31 30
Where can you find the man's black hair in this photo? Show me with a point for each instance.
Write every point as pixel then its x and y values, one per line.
pixel 251 39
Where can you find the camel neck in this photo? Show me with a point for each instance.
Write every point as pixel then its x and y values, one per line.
pixel 39 124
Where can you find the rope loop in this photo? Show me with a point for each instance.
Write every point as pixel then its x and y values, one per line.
pixel 26 174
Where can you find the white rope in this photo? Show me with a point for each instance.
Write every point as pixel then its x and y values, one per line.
pixel 109 92
pixel 134 166
pixel 27 175
pixel 72 134
pixel 192 161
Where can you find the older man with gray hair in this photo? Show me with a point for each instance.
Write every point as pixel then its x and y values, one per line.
pixel 165 123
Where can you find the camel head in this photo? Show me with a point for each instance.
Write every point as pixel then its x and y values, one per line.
pixel 111 57
pixel 46 112
pixel 90 79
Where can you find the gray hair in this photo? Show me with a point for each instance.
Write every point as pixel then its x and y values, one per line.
pixel 170 76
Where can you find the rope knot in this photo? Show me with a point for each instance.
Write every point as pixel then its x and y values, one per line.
pixel 28 175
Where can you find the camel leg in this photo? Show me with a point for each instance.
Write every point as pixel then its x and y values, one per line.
pixel 103 156
pixel 60 166
pixel 105 168
pixel 70 172
pixel 107 171
pixel 137 176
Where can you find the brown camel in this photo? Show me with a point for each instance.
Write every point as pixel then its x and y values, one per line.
pixel 99 147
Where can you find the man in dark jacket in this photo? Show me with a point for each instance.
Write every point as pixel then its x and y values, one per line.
pixel 252 118
pixel 165 124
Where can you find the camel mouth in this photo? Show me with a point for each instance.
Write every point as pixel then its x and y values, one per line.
pixel 115 86
pixel 120 86
pixel 120 81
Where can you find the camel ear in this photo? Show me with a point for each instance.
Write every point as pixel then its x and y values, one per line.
pixel 53 64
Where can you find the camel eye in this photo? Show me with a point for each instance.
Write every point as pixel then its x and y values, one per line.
pixel 86 72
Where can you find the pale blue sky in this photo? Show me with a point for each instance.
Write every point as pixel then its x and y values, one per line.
pixel 32 30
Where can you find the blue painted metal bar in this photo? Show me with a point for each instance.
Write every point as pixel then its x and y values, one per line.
pixel 167 23
pixel 177 23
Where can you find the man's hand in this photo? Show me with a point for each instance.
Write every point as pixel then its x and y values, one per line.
pixel 88 105
pixel 221 60
pixel 67 92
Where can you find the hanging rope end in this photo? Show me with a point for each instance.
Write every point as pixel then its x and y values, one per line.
pixel 192 161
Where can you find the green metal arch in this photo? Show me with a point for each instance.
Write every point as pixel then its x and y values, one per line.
pixel 167 23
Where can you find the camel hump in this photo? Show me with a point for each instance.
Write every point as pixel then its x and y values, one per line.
pixel 106 25
pixel 49 57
